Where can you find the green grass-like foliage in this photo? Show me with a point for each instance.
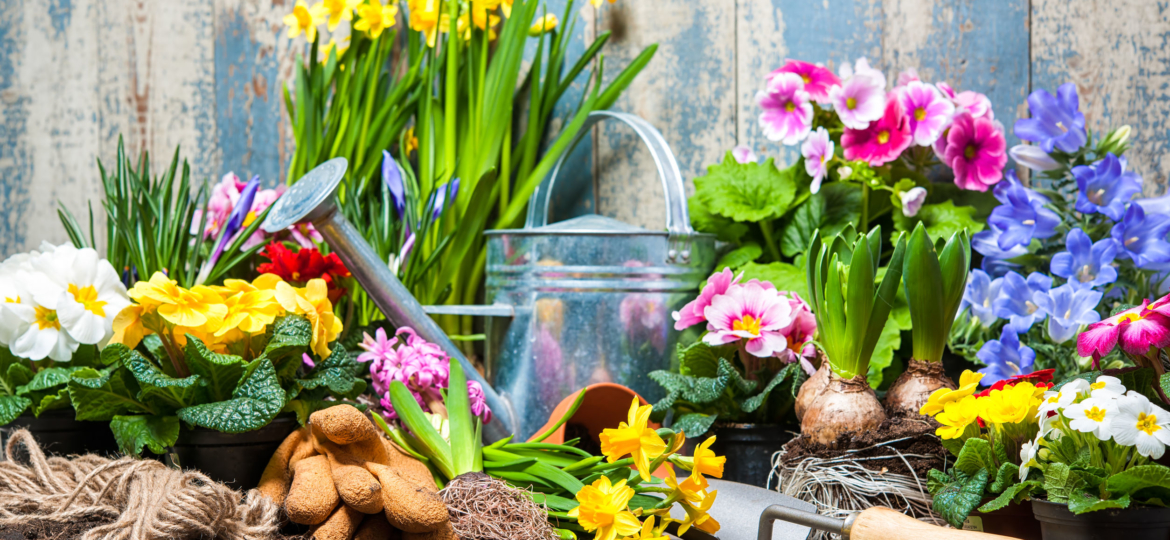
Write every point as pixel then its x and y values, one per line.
pixel 851 307
pixel 935 279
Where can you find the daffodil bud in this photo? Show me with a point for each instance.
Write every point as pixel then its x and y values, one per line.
pixel 544 24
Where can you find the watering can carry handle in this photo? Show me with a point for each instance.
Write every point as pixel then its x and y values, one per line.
pixel 678 222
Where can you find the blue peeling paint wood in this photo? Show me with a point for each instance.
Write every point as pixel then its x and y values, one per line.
pixel 15 166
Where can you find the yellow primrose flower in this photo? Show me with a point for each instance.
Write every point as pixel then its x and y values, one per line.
pixel 424 17
pixel 698 516
pixel 543 24
pixel 303 19
pixel 128 326
pixel 251 312
pixel 1010 405
pixel 956 416
pixel 968 382
pixel 604 507
pixel 690 489
pixel 312 302
pixel 376 17
pixel 633 438
pixel 337 11
pixel 159 290
pixel 266 282
pixel 190 308
pixel 648 532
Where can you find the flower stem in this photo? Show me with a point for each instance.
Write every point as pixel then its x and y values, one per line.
pixel 766 228
pixel 863 220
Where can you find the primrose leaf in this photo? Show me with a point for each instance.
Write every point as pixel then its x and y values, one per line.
pixel 941 220
pixel 162 389
pixel 700 359
pixel 338 373
pixel 955 501
pixel 936 480
pixel 1142 482
pixel 51 401
pixel 1012 494
pixel 136 431
pixel 1008 474
pixel 694 424
pixel 220 372
pixel 835 206
pixel 739 384
pixel 290 338
pixel 784 276
pixel 704 221
pixel 753 403
pixel 12 407
pixel 1059 482
pixel 46 379
pixel 254 403
pixel 1084 502
pixel 699 390
pixel 102 395
pixel 739 256
pixel 975 456
pixel 748 192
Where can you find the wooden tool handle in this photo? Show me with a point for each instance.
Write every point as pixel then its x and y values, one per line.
pixel 880 523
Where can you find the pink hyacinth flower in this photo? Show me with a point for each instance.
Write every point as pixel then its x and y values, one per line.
pixel 752 313
pixel 859 100
pixel 744 154
pixel 1135 329
pixel 818 80
pixel 478 400
pixel 788 113
pixel 976 151
pixel 692 313
pixel 975 104
pixel 882 141
pixel 817 151
pixel 928 111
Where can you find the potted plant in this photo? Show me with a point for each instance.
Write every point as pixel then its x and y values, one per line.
pixel 739 380
pixel 59 306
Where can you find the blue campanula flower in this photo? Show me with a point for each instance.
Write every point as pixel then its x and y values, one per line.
pixel 1022 218
pixel 1155 205
pixel 1005 357
pixel 1011 181
pixel 979 295
pixel 986 243
pixel 1086 262
pixel 1015 300
pixel 998 267
pixel 1068 307
pixel 392 177
pixel 1106 187
pixel 1142 237
pixel 1055 121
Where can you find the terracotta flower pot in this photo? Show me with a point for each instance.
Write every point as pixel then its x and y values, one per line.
pixel 605 406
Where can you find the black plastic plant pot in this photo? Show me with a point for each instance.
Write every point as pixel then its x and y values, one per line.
pixel 1135 523
pixel 749 449
pixel 59 433
pixel 1012 521
pixel 235 459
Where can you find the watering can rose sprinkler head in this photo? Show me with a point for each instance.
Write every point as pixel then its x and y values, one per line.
pixel 311 199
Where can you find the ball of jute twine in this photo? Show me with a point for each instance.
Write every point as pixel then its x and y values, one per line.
pixel 146 499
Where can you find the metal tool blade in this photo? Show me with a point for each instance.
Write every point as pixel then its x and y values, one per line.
pixel 738 507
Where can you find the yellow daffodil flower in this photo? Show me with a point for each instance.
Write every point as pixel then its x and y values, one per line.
pixel 706 462
pixel 337 11
pixel 698 516
pixel 968 383
pixel 648 532
pixel 604 507
pixel 303 19
pixel 329 47
pixel 543 24
pixel 956 416
pixel 635 439
pixel 411 141
pixel 376 17
pixel 251 312
pixel 424 17
pixel 690 489
pixel 1010 405
pixel 597 3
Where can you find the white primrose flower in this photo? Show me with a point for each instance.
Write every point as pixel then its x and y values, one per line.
pixel 16 305
pixel 1028 453
pixel 1107 387
pixel 1055 401
pixel 1093 415
pixel 83 289
pixel 1048 423
pixel 1076 386
pixel 1141 424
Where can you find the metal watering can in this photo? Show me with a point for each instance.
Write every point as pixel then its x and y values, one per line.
pixel 582 301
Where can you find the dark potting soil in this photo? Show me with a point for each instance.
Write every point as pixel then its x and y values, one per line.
pixel 915 438
pixel 48 530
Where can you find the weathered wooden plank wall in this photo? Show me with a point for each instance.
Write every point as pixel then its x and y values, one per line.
pixel 77 74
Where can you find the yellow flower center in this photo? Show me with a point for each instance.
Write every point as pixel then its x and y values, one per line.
pixel 10 300
pixel 1097 385
pixel 47 318
pixel 790 106
pixel 851 103
pixel 920 114
pixel 883 136
pixel 1095 414
pixel 304 19
pixel 969 152
pixel 806 78
pixel 1129 317
pixel 1054 399
pixel 88 297
pixel 747 324
pixel 1148 423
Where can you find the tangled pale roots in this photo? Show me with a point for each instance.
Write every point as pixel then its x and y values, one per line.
pixel 483 508
pixel 145 498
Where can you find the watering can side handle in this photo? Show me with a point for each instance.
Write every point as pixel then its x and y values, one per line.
pixel 678 223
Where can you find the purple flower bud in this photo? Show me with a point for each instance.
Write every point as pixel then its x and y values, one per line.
pixel 392 176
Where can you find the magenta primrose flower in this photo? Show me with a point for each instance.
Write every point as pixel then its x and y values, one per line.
pixel 975 104
pixel 744 154
pixel 861 99
pixel 753 313
pixel 817 151
pixel 692 313
pixel 882 141
pixel 1136 330
pixel 976 151
pixel 908 76
pixel 788 113
pixel 928 111
pixel 818 80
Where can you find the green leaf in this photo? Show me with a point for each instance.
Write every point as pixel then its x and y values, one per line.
pixel 694 424
pixel 1007 475
pixel 12 407
pixel 1012 494
pixel 941 220
pixel 101 396
pixel 923 281
pixel 784 276
pixel 290 338
pixel 975 456
pixel 1059 482
pixel 834 207
pixel 753 403
pixel 11 373
pixel 254 403
pixel 889 341
pixel 936 480
pixel 1142 482
pixel 955 501
pixel 1084 502
pixel 736 382
pixel 154 432
pixel 45 379
pixel 704 221
pixel 700 390
pixel 739 256
pixel 700 359
pixel 338 373
pixel 461 425
pixel 221 373
pixel 158 388
pixel 746 191
pixel 52 402
pixel 431 442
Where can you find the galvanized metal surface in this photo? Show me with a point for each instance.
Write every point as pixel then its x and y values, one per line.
pixel 738 509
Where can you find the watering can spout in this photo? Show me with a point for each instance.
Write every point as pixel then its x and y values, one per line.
pixel 311 199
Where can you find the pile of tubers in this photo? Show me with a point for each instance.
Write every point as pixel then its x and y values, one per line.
pixel 342 477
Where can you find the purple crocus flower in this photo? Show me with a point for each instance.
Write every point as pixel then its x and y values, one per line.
pixel 1015 300
pixel 1055 121
pixel 235 222
pixel 392 177
pixel 443 194
pixel 1068 307
pixel 1142 237
pixel 1106 187
pixel 1022 218
pixel 979 296
pixel 1086 263
pixel 1005 357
